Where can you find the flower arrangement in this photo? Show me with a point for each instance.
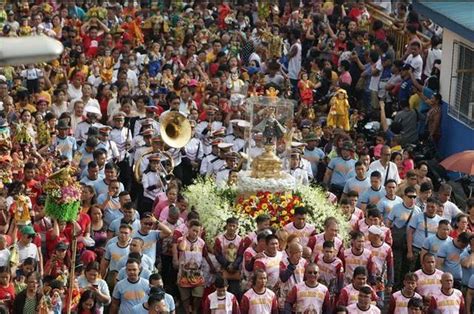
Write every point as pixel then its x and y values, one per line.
pixel 97 12
pixel 63 195
pixel 216 204
pixel 279 205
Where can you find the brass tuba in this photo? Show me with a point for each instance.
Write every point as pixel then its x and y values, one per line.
pixel 175 129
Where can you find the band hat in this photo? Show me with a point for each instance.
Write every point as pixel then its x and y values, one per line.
pixel 154 157
pixel 105 129
pixel 225 145
pixel 216 141
pixel 92 109
pixel 375 230
pixel 119 114
pixel 218 132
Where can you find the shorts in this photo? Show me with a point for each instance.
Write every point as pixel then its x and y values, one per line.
pixel 187 293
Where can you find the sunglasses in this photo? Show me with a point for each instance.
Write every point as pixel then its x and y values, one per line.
pixel 411 196
pixel 312 273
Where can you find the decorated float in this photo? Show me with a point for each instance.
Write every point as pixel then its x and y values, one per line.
pixel 264 185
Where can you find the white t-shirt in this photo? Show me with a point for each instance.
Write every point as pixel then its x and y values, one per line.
pixel 4 257
pixel 374 80
pixel 31 250
pixel 294 65
pixel 74 93
pixel 433 54
pixel 417 64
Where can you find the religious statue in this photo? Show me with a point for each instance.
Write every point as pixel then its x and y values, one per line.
pixel 271 127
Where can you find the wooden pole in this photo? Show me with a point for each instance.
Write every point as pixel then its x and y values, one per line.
pixel 72 274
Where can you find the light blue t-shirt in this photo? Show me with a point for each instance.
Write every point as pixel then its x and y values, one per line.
pixel 101 286
pixel 103 188
pixel 466 272
pixel 115 225
pixel 450 253
pixel 358 185
pixel 113 254
pixel 417 223
pixel 130 294
pixel 385 205
pixel 151 241
pixel 433 243
pixel 146 262
pixel 122 274
pixel 140 309
pixel 371 196
pixel 316 152
pixel 400 214
pixel 101 175
pixel 342 170
pixel 67 146
pixel 86 157
pixel 85 180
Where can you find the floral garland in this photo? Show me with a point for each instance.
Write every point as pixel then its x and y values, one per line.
pixel 215 205
pixel 63 195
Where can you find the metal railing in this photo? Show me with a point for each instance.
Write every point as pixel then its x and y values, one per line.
pixel 401 37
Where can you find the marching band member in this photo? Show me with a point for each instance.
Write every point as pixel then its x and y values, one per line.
pixel 152 182
pixel 237 136
pixel 149 119
pixel 209 159
pixel 304 163
pixel 137 141
pixel 205 128
pixel 256 148
pixel 222 175
pixel 109 146
pixel 147 135
pixel 92 116
pixel 296 170
pixel 219 164
pixel 156 147
pixel 193 153
pixel 122 136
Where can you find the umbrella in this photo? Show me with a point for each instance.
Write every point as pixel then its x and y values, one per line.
pixel 461 162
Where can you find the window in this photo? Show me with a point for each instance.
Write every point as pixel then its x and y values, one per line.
pixel 461 91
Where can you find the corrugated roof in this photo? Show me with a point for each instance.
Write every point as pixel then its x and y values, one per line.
pixel 457 16
pixel 460 12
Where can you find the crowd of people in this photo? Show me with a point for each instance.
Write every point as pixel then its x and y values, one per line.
pixel 363 108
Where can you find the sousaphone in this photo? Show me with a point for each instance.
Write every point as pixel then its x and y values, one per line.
pixel 175 129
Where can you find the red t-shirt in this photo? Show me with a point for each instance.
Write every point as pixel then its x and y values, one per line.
pixel 91 46
pixel 35 191
pixel 65 236
pixel 7 293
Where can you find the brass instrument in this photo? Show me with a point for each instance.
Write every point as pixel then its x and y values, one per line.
pixel 175 131
pixel 166 165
